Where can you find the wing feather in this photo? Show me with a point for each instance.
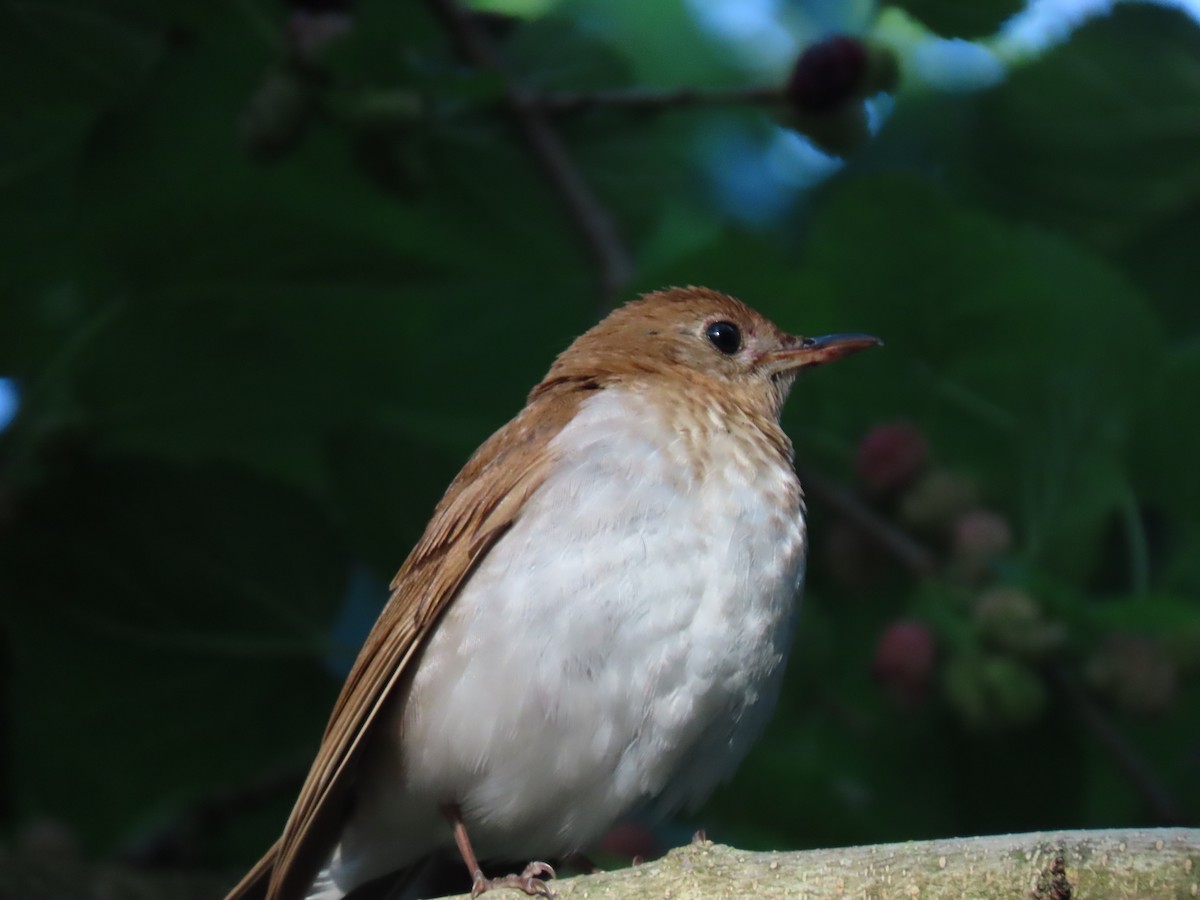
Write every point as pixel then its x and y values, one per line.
pixel 480 505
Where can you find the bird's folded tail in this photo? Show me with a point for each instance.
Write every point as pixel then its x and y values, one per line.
pixel 253 885
pixel 323 887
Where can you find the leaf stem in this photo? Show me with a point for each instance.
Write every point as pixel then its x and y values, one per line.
pixel 1137 544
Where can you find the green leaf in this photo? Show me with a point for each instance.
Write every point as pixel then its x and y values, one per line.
pixel 993 692
pixel 71 53
pixel 638 31
pixel 1156 615
pixel 1166 436
pixel 557 53
pixel 168 630
pixel 1000 341
pixel 526 9
pixel 952 19
pixel 385 486
pixel 1098 136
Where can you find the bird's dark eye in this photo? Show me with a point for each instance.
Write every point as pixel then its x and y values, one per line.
pixel 725 336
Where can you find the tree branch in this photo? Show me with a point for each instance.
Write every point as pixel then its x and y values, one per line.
pixel 1162 805
pixel 1114 865
pixel 595 225
pixel 650 100
pixel 907 550
pixel 1117 864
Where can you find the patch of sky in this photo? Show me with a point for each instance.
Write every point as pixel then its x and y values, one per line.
pixel 10 401
pixel 1042 24
pixel 363 598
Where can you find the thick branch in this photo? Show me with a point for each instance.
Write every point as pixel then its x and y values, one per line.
pixel 1114 865
pixel 1118 864
pixel 595 225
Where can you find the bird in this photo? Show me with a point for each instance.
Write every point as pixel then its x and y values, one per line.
pixel 594 624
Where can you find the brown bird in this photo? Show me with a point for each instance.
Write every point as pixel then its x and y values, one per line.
pixel 594 623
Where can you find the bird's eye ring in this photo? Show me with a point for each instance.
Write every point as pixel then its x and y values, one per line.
pixel 725 336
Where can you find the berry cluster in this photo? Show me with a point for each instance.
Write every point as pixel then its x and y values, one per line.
pixel 979 630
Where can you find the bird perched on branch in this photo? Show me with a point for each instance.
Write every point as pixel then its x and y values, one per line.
pixel 594 623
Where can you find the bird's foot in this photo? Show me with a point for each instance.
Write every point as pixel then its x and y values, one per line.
pixel 530 881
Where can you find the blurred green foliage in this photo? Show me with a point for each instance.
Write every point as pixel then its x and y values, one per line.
pixel 261 307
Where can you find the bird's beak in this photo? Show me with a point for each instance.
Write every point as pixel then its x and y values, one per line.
pixel 816 351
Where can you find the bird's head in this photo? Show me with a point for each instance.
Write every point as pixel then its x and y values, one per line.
pixel 694 336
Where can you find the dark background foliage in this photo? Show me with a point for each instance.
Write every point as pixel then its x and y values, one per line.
pixel 259 302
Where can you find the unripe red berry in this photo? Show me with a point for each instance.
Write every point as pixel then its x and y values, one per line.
pixel 1135 672
pixel 981 534
pixel 936 499
pixel 277 116
pixel 632 840
pixel 890 456
pixel 310 29
pixel 993 692
pixel 1006 604
pixel 904 660
pixel 979 537
pixel 1011 619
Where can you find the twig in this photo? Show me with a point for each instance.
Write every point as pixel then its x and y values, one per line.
pixel 650 100
pixel 595 225
pixel 900 545
pixel 1128 760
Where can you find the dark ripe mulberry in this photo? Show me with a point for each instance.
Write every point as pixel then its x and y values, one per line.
pixel 905 656
pixel 891 456
pixel 828 74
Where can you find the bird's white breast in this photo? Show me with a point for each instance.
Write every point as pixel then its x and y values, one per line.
pixel 620 646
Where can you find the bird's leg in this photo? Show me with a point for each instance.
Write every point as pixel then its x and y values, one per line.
pixel 530 881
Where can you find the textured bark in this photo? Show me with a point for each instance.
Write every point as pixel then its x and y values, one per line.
pixel 1149 864
pixel 1126 864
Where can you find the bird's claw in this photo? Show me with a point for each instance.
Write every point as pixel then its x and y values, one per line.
pixel 530 881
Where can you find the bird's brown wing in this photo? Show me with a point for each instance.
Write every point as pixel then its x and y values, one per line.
pixel 480 505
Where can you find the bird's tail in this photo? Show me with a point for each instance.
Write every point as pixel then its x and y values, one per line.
pixel 323 887
pixel 253 885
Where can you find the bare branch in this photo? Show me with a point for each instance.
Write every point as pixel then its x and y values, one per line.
pixel 906 549
pixel 1162 805
pixel 596 226
pixel 648 100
